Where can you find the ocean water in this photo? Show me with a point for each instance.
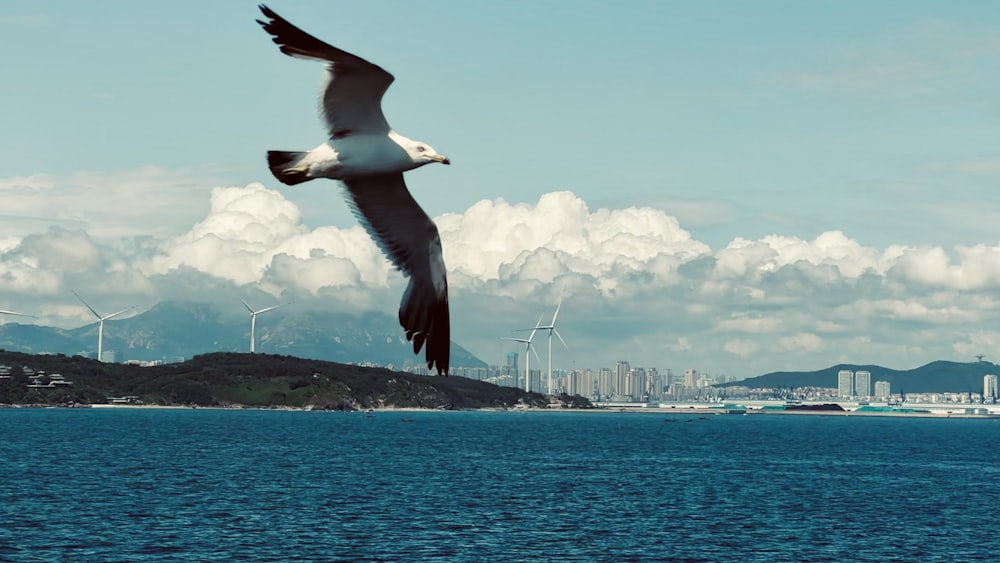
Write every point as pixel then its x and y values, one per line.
pixel 211 485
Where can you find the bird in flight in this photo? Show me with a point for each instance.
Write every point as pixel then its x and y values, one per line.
pixel 369 159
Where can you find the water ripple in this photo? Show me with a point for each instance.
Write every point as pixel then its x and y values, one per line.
pixel 167 485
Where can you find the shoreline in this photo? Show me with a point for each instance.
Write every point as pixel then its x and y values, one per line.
pixel 701 411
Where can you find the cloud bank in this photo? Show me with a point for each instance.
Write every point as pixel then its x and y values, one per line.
pixel 635 284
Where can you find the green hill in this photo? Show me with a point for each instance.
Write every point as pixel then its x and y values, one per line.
pixel 259 380
pixel 939 376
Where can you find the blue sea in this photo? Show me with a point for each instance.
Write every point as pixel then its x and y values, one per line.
pixel 231 485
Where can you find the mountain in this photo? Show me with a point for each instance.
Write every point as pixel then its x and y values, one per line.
pixel 939 376
pixel 174 330
pixel 36 339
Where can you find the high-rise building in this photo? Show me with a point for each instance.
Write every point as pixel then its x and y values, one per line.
pixel 586 383
pixel 512 360
pixel 863 383
pixel 606 383
pixel 882 390
pixel 655 384
pixel 990 388
pixel 691 378
pixel 621 379
pixel 668 377
pixel 845 383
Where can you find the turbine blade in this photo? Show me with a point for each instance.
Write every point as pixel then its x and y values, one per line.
pixel 556 313
pixel 86 304
pixel 5 312
pixel 245 304
pixel 532 348
pixel 266 309
pixel 118 313
pixel 560 338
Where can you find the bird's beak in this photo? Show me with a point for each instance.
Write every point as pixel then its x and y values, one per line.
pixel 441 158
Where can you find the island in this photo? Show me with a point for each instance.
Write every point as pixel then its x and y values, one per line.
pixel 250 380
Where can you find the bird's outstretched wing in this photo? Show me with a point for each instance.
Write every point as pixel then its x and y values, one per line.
pixel 411 241
pixel 352 99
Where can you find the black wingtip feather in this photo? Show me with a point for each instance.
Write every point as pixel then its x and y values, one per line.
pixel 436 340
pixel 439 345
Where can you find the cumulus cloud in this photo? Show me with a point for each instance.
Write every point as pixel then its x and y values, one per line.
pixel 141 202
pixel 635 284
pixel 252 234
pixel 741 347
pixel 974 267
pixel 560 235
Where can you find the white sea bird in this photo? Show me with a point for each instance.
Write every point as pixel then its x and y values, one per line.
pixel 369 159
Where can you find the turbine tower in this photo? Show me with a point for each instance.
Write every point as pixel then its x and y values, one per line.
pixel 551 327
pixel 253 320
pixel 527 357
pixel 100 324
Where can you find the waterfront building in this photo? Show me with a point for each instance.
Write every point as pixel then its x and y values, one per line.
pixel 863 383
pixel 990 388
pixel 882 390
pixel 845 383
pixel 669 378
pixel 691 378
pixel 606 383
pixel 621 379
pixel 655 383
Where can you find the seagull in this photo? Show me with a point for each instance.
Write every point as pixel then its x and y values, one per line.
pixel 369 158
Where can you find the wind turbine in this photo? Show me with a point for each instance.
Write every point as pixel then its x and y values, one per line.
pixel 527 357
pixel 551 327
pixel 253 320
pixel 16 314
pixel 100 325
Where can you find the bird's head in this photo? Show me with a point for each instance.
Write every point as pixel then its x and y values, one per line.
pixel 422 153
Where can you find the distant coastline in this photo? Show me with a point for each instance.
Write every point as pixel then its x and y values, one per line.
pixel 671 412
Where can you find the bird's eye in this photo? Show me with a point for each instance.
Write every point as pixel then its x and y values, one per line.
pixel 421 148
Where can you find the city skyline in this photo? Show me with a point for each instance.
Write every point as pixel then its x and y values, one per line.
pixel 811 189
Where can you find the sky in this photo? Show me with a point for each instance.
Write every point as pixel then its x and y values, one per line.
pixel 731 187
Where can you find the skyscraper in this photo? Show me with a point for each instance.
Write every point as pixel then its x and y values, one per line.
pixel 882 390
pixel 845 383
pixel 606 383
pixel 512 360
pixel 621 378
pixel 691 378
pixel 990 388
pixel 863 383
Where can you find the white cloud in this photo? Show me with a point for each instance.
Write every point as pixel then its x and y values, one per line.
pixel 741 347
pixel 743 323
pixel 148 201
pixel 976 267
pixel 979 342
pixel 253 231
pixel 635 284
pixel 495 240
pixel 801 342
pixel 742 258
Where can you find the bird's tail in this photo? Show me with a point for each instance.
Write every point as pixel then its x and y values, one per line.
pixel 284 166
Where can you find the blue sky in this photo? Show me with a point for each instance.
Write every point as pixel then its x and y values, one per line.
pixel 845 155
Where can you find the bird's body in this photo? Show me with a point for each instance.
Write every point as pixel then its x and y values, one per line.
pixel 369 159
pixel 345 158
